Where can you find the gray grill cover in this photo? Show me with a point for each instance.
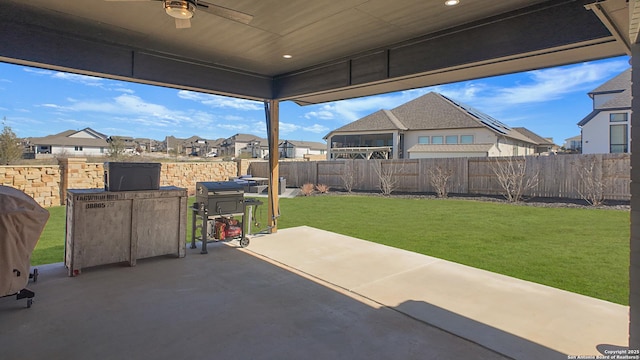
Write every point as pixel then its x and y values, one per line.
pixel 22 220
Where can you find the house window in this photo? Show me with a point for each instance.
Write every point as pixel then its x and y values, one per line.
pixel 437 140
pixel 466 139
pixel 617 117
pixel 423 140
pixel 78 148
pixel 618 138
pixel 451 139
pixel 102 150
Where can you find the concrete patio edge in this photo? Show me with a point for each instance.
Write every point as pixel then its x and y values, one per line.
pixel 513 317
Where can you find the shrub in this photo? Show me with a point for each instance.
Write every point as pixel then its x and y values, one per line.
pixel 513 177
pixel 388 176
pixel 307 189
pixel 439 178
pixel 322 189
pixel 348 176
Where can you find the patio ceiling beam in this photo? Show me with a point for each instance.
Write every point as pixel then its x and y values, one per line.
pixel 523 40
pixel 63 51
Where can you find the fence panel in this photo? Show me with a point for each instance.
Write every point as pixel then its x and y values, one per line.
pixel 558 176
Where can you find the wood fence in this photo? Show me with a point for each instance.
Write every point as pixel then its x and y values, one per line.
pixel 559 176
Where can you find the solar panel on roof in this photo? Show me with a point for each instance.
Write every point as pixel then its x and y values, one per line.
pixel 484 118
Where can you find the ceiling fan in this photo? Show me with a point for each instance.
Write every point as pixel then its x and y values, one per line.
pixel 183 10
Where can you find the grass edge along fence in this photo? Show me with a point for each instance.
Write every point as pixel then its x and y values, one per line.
pixel 571 176
pixel 582 250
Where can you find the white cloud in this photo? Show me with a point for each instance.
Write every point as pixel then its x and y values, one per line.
pixel 287 128
pixel 316 128
pixel 53 106
pixel 81 79
pixel 217 101
pixel 323 114
pixel 234 127
pixel 124 90
pixel 134 110
pixel 38 71
pixel 534 86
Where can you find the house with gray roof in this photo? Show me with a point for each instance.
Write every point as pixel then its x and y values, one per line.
pixel 431 126
pixel 293 149
pixel 607 129
pixel 85 142
pixel 233 146
pixel 194 145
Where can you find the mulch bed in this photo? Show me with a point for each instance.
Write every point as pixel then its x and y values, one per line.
pixel 538 202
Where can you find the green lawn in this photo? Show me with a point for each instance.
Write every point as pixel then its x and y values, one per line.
pixel 580 250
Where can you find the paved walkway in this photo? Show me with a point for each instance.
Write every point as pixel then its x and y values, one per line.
pixel 519 319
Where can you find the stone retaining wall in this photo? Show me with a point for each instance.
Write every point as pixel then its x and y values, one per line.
pixel 48 184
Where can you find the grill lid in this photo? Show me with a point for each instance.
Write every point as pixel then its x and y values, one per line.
pixel 208 188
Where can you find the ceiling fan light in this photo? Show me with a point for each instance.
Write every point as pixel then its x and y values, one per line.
pixel 179 9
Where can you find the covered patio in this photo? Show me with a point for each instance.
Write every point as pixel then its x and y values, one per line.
pixel 309 53
pixel 303 293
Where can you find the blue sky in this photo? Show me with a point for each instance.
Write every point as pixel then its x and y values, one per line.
pixel 37 102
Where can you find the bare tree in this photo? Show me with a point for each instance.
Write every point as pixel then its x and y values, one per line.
pixel 512 177
pixel 592 183
pixel 388 175
pixel 348 176
pixel 439 178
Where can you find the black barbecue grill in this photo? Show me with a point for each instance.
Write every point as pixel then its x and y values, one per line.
pixel 219 205
pixel 220 197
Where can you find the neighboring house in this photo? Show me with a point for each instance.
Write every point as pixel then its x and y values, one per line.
pixel 128 143
pixel 85 142
pixel 573 144
pixel 291 149
pixel 257 149
pixel 147 145
pixel 233 145
pixel 607 128
pixel 544 146
pixel 194 145
pixel 431 126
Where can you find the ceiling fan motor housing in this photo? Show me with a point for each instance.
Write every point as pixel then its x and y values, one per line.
pixel 180 9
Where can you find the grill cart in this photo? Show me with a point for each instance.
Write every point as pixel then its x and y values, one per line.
pixel 22 220
pixel 221 209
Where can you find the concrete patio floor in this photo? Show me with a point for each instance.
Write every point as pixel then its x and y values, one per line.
pixel 302 293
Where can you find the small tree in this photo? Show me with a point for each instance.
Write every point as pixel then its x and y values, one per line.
pixel 388 176
pixel 512 177
pixel 10 147
pixel 116 148
pixel 439 178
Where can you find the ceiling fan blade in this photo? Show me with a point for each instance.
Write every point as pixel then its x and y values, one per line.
pixel 183 23
pixel 224 12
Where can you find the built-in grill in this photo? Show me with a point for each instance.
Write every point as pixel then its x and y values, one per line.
pixel 220 205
